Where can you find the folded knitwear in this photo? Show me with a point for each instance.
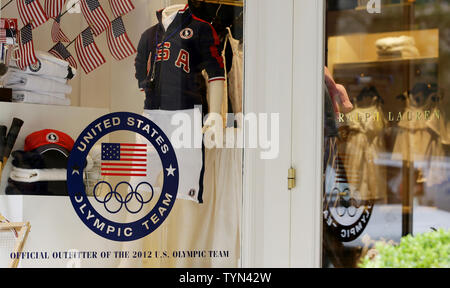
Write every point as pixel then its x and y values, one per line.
pixel 34 160
pixel 36 98
pixel 22 81
pixel 50 188
pixel 37 175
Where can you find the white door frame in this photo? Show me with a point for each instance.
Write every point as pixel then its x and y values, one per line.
pixel 307 135
pixel 284 74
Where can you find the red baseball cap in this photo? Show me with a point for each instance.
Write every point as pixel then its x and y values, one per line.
pixel 48 139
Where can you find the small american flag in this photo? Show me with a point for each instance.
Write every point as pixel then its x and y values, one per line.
pixel 87 51
pixel 60 51
pixel 57 34
pixel 53 7
pixel 25 53
pixel 121 7
pixel 118 42
pixel 95 16
pixel 31 12
pixel 121 159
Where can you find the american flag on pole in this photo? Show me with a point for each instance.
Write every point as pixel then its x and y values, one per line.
pixel 57 34
pixel 95 16
pixel 121 159
pixel 121 7
pixel 25 54
pixel 118 42
pixel 31 12
pixel 53 7
pixel 60 51
pixel 87 51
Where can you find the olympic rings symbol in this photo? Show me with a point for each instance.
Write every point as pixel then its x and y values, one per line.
pixel 345 204
pixel 119 199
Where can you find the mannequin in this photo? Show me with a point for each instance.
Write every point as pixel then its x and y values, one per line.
pixel 171 56
pixel 215 87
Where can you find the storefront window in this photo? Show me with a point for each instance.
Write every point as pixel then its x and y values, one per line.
pixel 386 161
pixel 65 64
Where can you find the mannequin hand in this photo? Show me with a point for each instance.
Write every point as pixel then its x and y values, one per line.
pixel 338 94
pixel 347 106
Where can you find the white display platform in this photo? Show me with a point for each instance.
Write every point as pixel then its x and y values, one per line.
pixel 55 227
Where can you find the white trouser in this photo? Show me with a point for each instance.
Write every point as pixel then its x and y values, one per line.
pixel 190 161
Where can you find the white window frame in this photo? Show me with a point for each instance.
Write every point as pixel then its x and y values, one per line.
pixel 284 51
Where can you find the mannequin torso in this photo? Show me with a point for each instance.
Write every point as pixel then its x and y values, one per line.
pixel 215 87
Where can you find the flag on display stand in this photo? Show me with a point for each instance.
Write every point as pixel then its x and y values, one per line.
pixel 95 16
pixel 60 51
pixel 121 7
pixel 57 34
pixel 87 51
pixel 25 54
pixel 31 12
pixel 53 8
pixel 118 42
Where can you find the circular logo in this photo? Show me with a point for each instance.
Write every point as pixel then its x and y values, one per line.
pixel 345 214
pixel 186 33
pixel 52 137
pixel 36 66
pixel 115 202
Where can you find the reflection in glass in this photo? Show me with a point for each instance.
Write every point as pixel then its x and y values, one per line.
pixel 386 171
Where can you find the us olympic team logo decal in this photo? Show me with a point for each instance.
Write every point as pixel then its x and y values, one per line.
pixel 346 213
pixel 124 204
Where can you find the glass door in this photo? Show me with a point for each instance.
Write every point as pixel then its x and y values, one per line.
pixel 386 170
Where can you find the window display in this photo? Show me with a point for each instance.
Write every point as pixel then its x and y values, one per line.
pixel 68 63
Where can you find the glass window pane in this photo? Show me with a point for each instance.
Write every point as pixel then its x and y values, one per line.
pixel 386 167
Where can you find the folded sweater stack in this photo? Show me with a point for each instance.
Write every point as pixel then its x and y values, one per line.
pixel 42 83
pixel 397 47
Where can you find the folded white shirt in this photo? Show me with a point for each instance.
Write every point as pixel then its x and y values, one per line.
pixel 48 66
pixel 35 98
pixel 21 81
pixel 51 58
pixel 392 42
pixel 37 175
